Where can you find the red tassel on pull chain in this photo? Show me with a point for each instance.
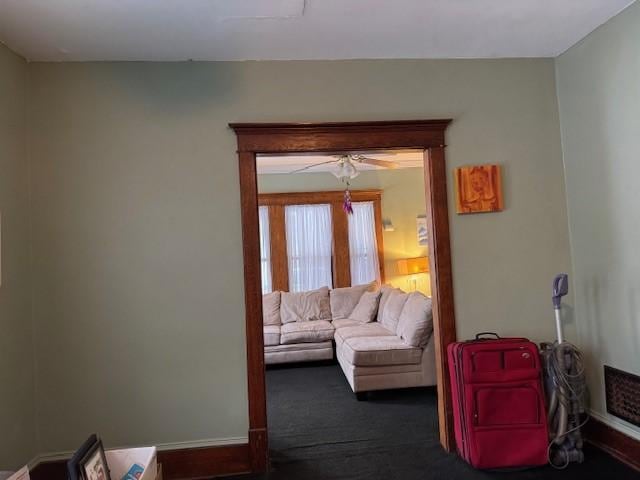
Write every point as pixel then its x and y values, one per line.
pixel 346 204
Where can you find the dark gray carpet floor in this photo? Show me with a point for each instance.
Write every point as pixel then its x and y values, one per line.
pixel 318 430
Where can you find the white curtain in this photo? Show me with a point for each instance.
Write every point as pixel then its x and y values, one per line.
pixel 265 249
pixel 363 246
pixel 309 246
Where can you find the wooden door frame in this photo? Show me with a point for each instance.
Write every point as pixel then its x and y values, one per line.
pixel 283 138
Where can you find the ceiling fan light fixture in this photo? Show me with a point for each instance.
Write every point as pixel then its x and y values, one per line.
pixel 346 171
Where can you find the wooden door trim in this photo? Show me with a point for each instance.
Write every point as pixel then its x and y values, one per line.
pixel 278 138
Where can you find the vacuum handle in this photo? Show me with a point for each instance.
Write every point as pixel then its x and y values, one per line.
pixel 487 334
pixel 560 289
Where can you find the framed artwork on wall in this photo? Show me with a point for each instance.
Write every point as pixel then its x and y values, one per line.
pixel 421 224
pixel 478 189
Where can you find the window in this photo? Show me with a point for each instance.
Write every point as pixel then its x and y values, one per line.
pixel 309 239
pixel 265 249
pixel 363 246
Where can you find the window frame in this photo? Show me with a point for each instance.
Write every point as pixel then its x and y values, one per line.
pixel 341 261
pixel 301 260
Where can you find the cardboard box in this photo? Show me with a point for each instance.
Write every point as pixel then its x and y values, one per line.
pixel 120 461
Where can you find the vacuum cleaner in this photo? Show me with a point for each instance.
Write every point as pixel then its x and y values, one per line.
pixel 566 389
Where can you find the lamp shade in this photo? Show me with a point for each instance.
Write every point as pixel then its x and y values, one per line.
pixel 346 171
pixel 411 266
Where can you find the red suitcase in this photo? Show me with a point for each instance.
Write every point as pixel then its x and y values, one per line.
pixel 498 402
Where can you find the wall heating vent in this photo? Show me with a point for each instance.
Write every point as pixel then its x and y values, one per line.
pixel 622 391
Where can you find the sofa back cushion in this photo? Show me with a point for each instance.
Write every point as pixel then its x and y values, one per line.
pixel 271 308
pixel 344 300
pixel 305 306
pixel 385 291
pixel 393 308
pixel 367 308
pixel 415 325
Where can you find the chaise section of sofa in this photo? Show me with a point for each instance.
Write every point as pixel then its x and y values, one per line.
pixel 394 351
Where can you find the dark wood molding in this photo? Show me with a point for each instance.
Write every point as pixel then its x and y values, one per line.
pixel 441 276
pixel 186 463
pixel 258 449
pixel 278 243
pixel 338 137
pixel 377 212
pixel 253 307
pixel 340 239
pixel 614 442
pixel 307 198
pixel 279 138
pixel 53 470
pixel 205 462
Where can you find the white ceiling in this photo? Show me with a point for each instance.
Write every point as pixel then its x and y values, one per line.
pixel 76 30
pixel 272 164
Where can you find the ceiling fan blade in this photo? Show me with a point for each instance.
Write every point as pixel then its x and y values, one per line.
pixel 380 163
pixel 300 170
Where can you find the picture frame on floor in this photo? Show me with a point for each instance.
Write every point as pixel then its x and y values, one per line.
pixel 93 465
pixel 73 465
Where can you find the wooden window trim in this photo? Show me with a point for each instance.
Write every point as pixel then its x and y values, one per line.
pixel 278 242
pixel 276 202
pixel 310 198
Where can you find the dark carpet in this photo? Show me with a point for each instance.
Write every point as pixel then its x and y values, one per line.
pixel 318 430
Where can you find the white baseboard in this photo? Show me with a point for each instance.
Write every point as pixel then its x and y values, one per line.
pixel 617 424
pixel 218 442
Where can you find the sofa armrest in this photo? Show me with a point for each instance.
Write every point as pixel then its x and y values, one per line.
pixel 429 361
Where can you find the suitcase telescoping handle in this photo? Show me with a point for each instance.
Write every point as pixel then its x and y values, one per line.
pixel 483 335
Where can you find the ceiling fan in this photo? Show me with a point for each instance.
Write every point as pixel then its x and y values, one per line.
pixel 346 165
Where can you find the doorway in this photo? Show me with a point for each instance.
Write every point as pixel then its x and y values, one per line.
pixel 426 135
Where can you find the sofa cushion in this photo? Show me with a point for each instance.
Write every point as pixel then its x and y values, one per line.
pixel 393 308
pixel 271 335
pixel 362 330
pixel 271 308
pixel 366 308
pixel 344 322
pixel 415 325
pixel 343 300
pixel 305 306
pixel 385 292
pixel 306 332
pixel 374 351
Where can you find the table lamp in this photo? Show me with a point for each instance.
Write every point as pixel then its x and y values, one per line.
pixel 413 267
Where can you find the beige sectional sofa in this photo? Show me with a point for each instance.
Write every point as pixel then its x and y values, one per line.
pixel 383 338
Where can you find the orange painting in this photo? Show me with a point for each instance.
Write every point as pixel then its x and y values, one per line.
pixel 478 189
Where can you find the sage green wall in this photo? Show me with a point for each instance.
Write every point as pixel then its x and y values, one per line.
pixel 599 102
pixel 402 201
pixel 137 240
pixel 17 425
